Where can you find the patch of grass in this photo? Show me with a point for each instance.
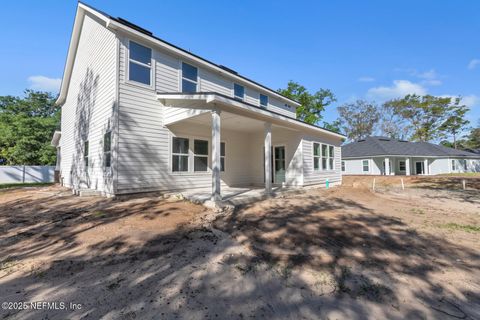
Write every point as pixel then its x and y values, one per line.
pixel 22 185
pixel 417 211
pixel 464 227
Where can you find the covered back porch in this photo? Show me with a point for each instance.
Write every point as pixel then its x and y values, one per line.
pixel 230 155
pixel 402 165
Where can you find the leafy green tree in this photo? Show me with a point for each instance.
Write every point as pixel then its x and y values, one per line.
pixel 455 121
pixel 473 138
pixel 334 126
pixel 358 119
pixel 425 114
pixel 312 105
pixel 26 128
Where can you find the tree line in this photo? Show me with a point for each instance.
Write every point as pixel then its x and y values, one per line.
pixel 414 118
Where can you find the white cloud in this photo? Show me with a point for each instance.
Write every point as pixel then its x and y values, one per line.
pixel 429 77
pixel 399 89
pixel 471 100
pixel 43 83
pixel 366 79
pixel 473 64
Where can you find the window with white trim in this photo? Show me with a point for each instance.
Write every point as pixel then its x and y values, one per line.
pixel 85 154
pixel 454 165
pixel 180 148
pixel 140 64
pixel 200 155
pixel 107 149
pixel 189 78
pixel 316 156
pixel 343 166
pixel 324 157
pixel 331 154
pixel 464 164
pixel 238 91
pixel 366 166
pixel 263 101
pixel 222 156
pixel 402 165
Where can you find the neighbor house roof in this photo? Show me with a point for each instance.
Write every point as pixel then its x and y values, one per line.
pixel 114 23
pixel 383 146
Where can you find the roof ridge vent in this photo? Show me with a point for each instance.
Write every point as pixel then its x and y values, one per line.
pixel 227 69
pixel 134 26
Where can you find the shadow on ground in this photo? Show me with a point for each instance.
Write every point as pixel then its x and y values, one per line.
pixel 326 257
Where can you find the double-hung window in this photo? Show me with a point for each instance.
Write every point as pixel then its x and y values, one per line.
pixel 140 64
pixel 454 165
pixel 107 149
pixel 238 91
pixel 402 165
pixel 343 166
pixel 316 156
pixel 179 154
pixel 331 157
pixel 222 156
pixel 324 157
pixel 263 101
pixel 200 155
pixel 189 78
pixel 85 154
pixel 365 165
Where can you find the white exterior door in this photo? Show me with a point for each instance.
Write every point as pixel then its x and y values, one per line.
pixel 279 164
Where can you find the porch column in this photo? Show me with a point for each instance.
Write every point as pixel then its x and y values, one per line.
pixel 216 194
pixel 425 167
pixel 268 157
pixel 387 166
pixel 407 166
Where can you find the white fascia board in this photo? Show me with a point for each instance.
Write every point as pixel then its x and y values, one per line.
pixel 132 32
pixel 408 156
pixel 212 98
pixel 72 48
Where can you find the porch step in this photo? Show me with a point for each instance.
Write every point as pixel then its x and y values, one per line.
pixel 88 193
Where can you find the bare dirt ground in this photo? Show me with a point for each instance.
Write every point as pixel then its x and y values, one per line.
pixel 342 253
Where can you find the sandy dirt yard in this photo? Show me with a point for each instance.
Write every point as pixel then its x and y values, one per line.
pixel 342 253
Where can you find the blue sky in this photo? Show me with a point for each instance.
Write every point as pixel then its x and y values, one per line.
pixel 358 49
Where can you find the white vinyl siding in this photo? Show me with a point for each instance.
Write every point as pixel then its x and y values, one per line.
pixel 319 177
pixel 89 109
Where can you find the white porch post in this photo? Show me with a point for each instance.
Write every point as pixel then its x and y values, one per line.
pixel 407 166
pixel 425 167
pixel 268 157
pixel 387 166
pixel 216 194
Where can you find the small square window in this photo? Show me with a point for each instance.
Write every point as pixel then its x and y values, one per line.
pixel 263 100
pixel 238 91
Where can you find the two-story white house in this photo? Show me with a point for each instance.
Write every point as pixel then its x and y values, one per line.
pixel 140 114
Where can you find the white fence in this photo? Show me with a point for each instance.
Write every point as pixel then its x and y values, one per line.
pixel 26 174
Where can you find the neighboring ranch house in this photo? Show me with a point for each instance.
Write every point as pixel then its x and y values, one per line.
pixel 140 114
pixel 386 156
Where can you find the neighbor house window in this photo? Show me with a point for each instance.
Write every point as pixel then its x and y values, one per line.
pixel 140 64
pixel 107 149
pixel 366 167
pixel 263 101
pixel 316 156
pixel 200 155
pixel 222 156
pixel 464 164
pixel 454 165
pixel 189 78
pixel 324 157
pixel 179 154
pixel 401 165
pixel 331 157
pixel 85 154
pixel 238 91
pixel 343 166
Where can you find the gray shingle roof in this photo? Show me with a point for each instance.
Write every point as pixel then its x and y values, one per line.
pixel 383 146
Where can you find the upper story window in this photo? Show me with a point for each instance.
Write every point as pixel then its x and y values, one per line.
pixel 189 78
pixel 263 101
pixel 238 91
pixel 140 64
